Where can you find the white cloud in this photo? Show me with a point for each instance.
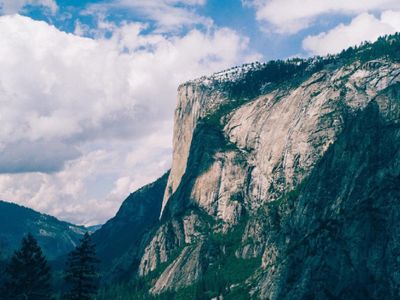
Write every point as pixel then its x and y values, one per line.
pixel 108 101
pixel 62 194
pixel 364 27
pixel 291 16
pixel 14 6
pixel 169 15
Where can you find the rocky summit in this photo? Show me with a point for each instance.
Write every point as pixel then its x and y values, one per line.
pixel 285 183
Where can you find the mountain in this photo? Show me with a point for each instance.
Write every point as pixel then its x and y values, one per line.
pixel 55 237
pixel 121 240
pixel 93 228
pixel 285 184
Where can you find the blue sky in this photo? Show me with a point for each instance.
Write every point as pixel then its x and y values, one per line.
pixel 88 88
pixel 224 13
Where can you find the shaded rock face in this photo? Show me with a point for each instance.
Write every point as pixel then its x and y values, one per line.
pixel 194 102
pixel 309 170
pixel 341 233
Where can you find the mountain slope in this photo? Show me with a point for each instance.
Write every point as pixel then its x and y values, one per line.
pixel 120 241
pixel 285 182
pixel 55 237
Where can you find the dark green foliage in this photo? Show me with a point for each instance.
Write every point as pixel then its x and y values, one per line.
pixel 266 78
pixel 27 274
pixel 134 290
pixel 226 274
pixel 3 264
pixel 262 78
pixel 81 274
pixel 387 46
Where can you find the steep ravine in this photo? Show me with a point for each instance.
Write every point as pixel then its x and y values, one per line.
pixel 121 240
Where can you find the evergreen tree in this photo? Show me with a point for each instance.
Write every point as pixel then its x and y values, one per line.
pixel 81 274
pixel 28 274
pixel 2 270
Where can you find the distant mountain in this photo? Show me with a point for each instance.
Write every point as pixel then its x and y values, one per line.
pixel 54 236
pixel 93 228
pixel 120 241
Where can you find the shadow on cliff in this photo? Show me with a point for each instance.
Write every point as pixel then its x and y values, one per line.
pixel 340 237
pixel 208 139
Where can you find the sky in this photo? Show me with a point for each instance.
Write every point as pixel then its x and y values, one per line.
pixel 88 88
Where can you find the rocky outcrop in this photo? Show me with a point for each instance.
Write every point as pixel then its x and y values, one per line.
pixel 169 238
pixel 184 270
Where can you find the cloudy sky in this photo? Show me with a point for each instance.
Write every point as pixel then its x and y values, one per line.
pixel 88 88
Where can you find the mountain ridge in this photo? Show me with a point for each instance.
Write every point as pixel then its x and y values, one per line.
pixel 54 236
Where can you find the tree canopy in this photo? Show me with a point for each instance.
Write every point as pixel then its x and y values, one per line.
pixel 81 274
pixel 28 274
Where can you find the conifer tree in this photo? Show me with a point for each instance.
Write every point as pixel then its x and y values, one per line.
pixel 2 270
pixel 81 273
pixel 28 274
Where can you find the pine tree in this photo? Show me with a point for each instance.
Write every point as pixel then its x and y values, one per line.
pixel 81 273
pixel 2 270
pixel 28 274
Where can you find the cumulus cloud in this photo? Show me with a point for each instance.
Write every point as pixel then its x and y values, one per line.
pixel 63 194
pixel 291 16
pixel 14 6
pixel 90 189
pixel 93 116
pixel 365 27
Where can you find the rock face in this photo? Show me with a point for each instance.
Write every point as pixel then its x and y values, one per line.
pixel 285 182
pixel 341 231
pixel 194 102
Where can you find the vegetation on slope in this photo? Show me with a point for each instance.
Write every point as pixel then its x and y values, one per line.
pixel 55 236
pixel 259 78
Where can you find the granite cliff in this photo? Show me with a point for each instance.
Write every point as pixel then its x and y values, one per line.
pixel 285 182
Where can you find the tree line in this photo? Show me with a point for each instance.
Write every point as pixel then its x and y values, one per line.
pixel 28 276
